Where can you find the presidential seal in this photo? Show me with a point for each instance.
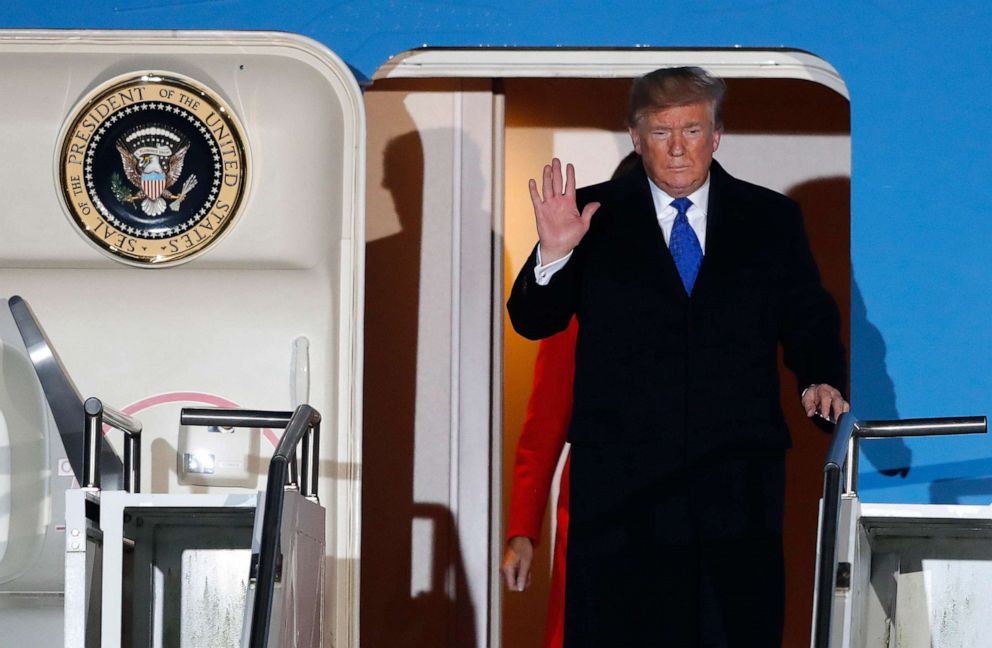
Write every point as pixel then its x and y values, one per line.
pixel 153 168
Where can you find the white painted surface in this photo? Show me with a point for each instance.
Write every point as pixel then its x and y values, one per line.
pixel 451 449
pixel 917 511
pixel 5 499
pixel 929 567
pixel 608 63
pixel 224 323
pixel 32 499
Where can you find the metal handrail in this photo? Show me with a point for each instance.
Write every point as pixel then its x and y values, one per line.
pixel 232 418
pixel 303 425
pixel 843 454
pixel 220 417
pixel 96 413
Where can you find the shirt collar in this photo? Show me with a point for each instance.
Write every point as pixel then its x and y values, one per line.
pixel 700 197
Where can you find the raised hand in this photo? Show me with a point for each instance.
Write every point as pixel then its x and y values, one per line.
pixel 560 226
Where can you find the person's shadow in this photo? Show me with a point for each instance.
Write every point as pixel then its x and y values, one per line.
pixel 889 461
pixel 891 457
pixel 826 204
pixel 391 613
pixel 876 394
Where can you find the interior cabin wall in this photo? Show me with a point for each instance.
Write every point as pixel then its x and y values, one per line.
pixel 791 136
pixel 426 507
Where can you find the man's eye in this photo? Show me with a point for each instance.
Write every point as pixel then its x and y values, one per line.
pixel 693 131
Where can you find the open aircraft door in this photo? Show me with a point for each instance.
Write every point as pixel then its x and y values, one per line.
pixel 184 213
pixel 454 135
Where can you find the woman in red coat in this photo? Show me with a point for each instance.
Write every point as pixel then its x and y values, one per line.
pixel 538 451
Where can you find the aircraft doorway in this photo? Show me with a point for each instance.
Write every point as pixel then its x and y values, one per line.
pixel 453 137
pixel 792 136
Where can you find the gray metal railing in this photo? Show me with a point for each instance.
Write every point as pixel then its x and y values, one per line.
pixel 302 426
pixel 840 477
pixel 95 414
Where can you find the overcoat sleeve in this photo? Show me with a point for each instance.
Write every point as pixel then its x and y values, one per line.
pixel 539 311
pixel 536 311
pixel 809 323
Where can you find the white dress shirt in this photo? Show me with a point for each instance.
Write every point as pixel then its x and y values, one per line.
pixel 666 219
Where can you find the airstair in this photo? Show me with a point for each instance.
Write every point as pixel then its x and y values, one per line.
pixel 899 575
pixel 126 568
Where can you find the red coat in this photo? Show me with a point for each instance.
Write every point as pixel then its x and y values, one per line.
pixel 538 450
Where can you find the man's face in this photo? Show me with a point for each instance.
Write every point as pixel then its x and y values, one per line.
pixel 677 145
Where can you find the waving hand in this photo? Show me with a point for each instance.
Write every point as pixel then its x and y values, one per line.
pixel 560 226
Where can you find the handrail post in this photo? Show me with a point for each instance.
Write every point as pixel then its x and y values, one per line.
pixel 851 465
pixel 311 462
pixel 132 462
pixel 93 432
pixel 96 414
pixel 293 475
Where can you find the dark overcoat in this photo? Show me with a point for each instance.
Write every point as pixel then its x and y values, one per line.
pixel 677 431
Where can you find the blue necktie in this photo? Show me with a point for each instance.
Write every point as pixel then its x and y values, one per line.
pixel 684 245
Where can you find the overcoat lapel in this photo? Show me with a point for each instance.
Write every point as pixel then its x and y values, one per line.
pixel 646 240
pixel 719 233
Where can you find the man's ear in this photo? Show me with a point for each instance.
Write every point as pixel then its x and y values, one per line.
pixel 716 139
pixel 635 138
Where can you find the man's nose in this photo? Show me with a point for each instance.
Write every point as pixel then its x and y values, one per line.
pixel 676 145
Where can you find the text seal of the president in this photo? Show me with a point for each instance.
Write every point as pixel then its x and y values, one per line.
pixel 153 168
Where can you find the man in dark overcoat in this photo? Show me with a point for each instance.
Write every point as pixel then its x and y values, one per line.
pixel 684 280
